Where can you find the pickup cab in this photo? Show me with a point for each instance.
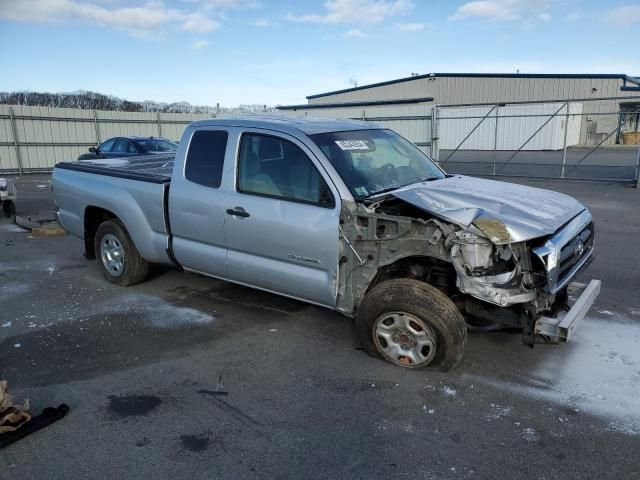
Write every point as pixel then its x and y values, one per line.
pixel 346 215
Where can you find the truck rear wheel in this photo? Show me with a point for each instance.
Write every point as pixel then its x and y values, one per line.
pixel 118 257
pixel 411 324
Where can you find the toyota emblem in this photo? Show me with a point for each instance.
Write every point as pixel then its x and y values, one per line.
pixel 579 250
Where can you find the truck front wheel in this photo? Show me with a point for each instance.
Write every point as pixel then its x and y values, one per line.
pixel 118 257
pixel 411 324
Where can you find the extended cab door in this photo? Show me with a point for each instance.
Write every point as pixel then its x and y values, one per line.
pixel 196 201
pixel 282 219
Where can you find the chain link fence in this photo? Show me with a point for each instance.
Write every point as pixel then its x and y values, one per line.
pixel 587 139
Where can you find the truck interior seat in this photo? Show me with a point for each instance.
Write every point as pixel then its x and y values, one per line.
pixel 253 179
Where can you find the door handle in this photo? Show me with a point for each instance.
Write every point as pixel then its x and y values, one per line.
pixel 238 212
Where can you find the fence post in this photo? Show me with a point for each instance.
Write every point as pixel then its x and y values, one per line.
pixel 97 128
pixel 564 148
pixel 638 167
pixel 435 147
pixel 495 140
pixel 159 125
pixel 15 140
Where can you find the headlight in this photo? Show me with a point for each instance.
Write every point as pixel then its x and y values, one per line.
pixel 495 230
pixel 475 251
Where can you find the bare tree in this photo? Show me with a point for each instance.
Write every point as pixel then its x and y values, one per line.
pixel 97 101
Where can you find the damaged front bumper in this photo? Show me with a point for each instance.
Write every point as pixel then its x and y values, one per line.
pixel 560 328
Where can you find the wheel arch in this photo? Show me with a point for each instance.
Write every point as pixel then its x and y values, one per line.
pixel 429 269
pixel 93 217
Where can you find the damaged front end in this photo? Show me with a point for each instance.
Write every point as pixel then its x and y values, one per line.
pixel 496 280
pixel 497 274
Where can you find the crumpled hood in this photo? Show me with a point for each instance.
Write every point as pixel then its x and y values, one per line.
pixel 526 212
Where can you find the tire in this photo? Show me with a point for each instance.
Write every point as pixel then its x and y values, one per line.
pixel 117 256
pixel 9 209
pixel 411 324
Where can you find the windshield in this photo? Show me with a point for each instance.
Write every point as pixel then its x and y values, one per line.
pixel 157 145
pixel 375 161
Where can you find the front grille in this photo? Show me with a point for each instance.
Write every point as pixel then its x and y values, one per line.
pixel 572 252
pixel 564 254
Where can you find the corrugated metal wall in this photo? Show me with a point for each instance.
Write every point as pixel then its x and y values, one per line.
pixel 456 90
pixel 46 136
pixel 470 90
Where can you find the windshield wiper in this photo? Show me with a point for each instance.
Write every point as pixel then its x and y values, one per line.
pixel 384 190
pixel 391 189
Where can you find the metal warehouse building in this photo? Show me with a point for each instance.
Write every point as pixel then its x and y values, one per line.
pixel 591 109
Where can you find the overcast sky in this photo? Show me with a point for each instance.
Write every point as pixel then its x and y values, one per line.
pixel 277 52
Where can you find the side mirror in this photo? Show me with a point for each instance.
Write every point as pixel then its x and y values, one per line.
pixel 93 149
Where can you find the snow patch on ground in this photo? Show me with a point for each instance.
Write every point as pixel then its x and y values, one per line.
pixel 12 228
pixel 7 291
pixel 498 411
pixel 162 314
pixel 598 371
pixel 166 315
pixel 448 391
pixel 529 434
pixel 623 428
pixel 29 266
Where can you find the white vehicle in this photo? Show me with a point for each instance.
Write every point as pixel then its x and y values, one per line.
pixel 7 197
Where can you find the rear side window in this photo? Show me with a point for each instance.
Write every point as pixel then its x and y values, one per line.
pixel 206 157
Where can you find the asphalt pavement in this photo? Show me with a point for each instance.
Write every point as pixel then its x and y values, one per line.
pixel 188 377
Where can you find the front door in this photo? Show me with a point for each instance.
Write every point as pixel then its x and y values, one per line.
pixel 282 220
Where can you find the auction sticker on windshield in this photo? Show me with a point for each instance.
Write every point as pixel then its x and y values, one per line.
pixel 352 145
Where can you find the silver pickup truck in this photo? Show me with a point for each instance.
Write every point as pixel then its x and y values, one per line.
pixel 345 215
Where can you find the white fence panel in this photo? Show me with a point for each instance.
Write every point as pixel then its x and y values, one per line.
pixel 516 125
pixel 46 136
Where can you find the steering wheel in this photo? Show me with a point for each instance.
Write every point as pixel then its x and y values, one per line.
pixel 382 172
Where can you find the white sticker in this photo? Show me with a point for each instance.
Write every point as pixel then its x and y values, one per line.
pixel 361 191
pixel 352 145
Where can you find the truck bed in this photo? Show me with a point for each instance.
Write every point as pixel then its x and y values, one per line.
pixel 152 168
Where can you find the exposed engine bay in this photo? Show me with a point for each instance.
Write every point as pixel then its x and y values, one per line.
pixel 495 284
